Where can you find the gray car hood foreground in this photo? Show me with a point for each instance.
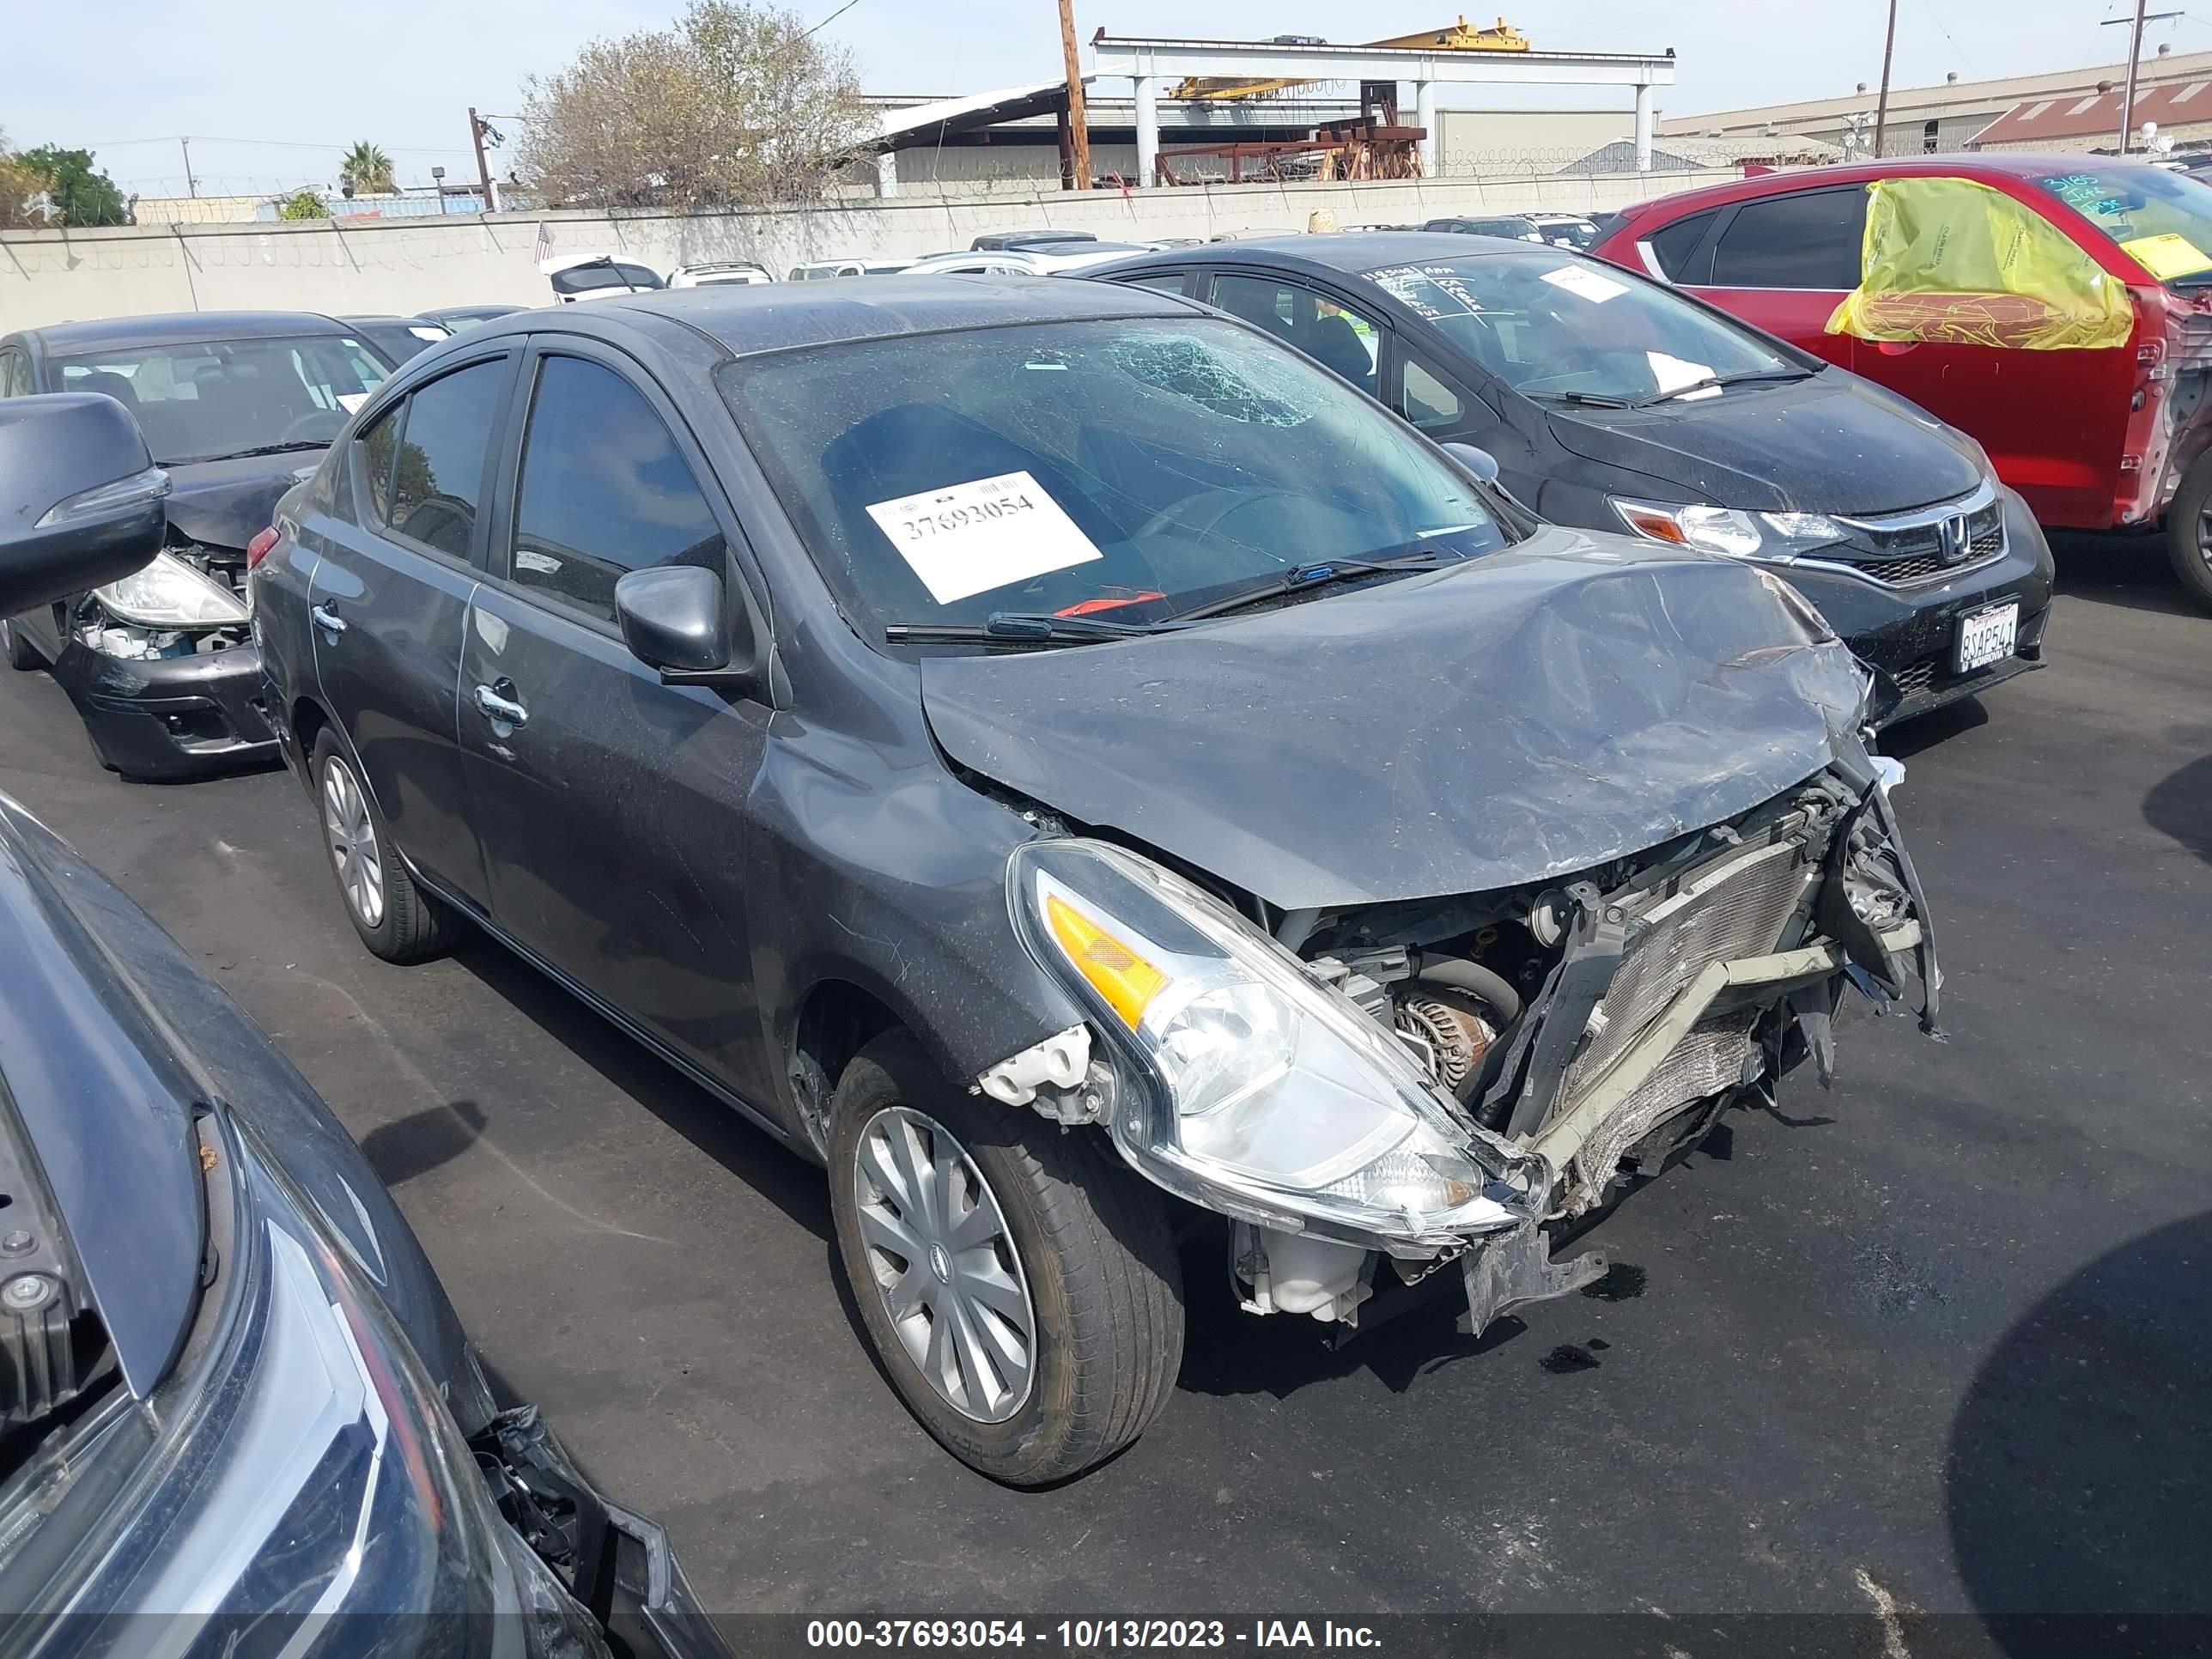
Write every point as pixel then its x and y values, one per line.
pixel 1526 715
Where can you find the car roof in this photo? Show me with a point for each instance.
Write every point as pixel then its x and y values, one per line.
pixel 2014 163
pixel 1352 253
pixel 182 328
pixel 747 320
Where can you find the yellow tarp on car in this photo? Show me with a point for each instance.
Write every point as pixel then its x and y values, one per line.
pixel 1951 261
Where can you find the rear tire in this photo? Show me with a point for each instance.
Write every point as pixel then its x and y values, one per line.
pixel 395 918
pixel 1069 1243
pixel 2189 532
pixel 20 652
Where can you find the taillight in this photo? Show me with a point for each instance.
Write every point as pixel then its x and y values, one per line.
pixel 258 549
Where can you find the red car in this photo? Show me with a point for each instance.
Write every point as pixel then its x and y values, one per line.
pixel 2058 308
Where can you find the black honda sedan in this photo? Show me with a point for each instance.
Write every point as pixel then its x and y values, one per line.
pixel 236 406
pixel 1618 403
pixel 1085 775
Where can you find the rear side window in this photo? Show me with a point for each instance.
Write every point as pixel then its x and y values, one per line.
pixel 1809 240
pixel 437 475
pixel 1168 282
pixel 1674 245
pixel 605 491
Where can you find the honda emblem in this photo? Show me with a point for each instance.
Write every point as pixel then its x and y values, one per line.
pixel 1953 540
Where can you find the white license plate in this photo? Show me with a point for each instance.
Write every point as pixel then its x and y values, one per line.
pixel 1986 636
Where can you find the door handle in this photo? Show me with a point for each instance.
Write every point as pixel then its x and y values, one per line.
pixel 503 709
pixel 324 616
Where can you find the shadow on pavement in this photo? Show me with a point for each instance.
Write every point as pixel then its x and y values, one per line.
pixel 2119 569
pixel 1908 738
pixel 422 1141
pixel 2180 805
pixel 787 1181
pixel 2081 1458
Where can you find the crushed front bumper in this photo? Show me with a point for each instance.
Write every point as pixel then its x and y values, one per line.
pixel 617 1564
pixel 164 718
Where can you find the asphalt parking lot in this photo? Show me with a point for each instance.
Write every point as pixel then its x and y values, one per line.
pixel 1942 1336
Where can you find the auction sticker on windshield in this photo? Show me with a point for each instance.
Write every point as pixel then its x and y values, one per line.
pixel 969 538
pixel 1591 285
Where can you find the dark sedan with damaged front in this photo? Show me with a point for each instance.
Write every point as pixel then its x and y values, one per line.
pixel 234 405
pixel 1083 773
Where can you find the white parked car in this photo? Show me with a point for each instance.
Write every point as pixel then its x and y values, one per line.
pixel 821 269
pixel 738 271
pixel 1024 262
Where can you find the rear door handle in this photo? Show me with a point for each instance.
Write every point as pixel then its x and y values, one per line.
pixel 503 709
pixel 326 617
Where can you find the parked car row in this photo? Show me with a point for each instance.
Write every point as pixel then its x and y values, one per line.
pixel 1340 742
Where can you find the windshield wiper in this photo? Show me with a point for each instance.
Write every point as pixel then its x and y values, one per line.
pixel 259 449
pixel 1305 578
pixel 1019 628
pixel 1748 378
pixel 1587 399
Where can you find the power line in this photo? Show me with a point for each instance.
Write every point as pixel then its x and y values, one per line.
pixel 833 17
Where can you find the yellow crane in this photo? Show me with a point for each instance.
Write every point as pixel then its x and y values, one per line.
pixel 1501 36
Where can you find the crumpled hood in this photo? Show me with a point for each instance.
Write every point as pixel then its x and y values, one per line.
pixel 1527 716
pixel 1831 444
pixel 227 503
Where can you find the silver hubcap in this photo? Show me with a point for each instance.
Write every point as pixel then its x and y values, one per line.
pixel 943 1261
pixel 2205 535
pixel 353 843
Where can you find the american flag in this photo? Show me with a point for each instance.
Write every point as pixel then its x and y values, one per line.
pixel 545 242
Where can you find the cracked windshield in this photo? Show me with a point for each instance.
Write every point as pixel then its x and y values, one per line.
pixel 1573 331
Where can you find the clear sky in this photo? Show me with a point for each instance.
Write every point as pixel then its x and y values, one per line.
pixel 271 91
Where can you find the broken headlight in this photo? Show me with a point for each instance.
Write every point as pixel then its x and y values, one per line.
pixel 1274 1098
pixel 170 594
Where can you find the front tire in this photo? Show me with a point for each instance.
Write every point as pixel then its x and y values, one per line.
pixel 2189 532
pixel 395 918
pixel 1020 1286
pixel 22 654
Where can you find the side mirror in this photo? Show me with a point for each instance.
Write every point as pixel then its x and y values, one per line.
pixel 1480 462
pixel 677 618
pixel 81 500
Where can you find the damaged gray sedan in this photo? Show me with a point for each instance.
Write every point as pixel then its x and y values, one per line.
pixel 1091 779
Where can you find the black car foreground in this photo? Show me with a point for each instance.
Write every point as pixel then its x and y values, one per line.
pixel 1618 403
pixel 1083 773
pixel 238 1413
pixel 235 406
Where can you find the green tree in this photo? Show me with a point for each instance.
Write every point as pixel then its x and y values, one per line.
pixel 737 104
pixel 18 185
pixel 82 195
pixel 303 205
pixel 368 170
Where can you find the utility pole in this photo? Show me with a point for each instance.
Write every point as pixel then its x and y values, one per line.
pixel 476 125
pixel 1881 104
pixel 191 186
pixel 1078 120
pixel 2134 51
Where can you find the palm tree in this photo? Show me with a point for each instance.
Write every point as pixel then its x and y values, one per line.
pixel 366 171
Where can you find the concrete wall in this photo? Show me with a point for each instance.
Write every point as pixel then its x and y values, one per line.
pixel 49 277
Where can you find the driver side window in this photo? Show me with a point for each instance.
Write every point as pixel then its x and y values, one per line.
pixel 435 448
